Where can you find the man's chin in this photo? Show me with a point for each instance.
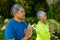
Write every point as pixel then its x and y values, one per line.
pixel 23 18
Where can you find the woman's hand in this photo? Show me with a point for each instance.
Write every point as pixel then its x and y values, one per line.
pixel 51 29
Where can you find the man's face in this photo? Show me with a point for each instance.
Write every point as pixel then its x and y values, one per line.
pixel 21 13
pixel 44 17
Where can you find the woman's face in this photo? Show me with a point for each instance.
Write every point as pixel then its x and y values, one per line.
pixel 43 17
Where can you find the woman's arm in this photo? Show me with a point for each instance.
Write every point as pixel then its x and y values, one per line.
pixel 51 29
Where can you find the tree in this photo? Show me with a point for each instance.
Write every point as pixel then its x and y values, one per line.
pixel 54 12
pixel 31 7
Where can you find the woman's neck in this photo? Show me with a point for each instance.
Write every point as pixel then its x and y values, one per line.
pixel 42 21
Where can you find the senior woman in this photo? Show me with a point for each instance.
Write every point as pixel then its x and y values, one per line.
pixel 42 29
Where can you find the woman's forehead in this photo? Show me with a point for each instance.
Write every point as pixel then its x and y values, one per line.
pixel 21 8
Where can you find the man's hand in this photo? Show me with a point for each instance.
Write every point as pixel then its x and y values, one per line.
pixel 28 32
pixel 30 38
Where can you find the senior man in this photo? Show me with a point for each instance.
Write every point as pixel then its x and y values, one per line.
pixel 17 29
pixel 42 29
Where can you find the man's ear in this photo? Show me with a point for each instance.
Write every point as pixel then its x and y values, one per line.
pixel 14 13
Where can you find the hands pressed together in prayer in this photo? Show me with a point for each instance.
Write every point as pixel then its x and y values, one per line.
pixel 28 33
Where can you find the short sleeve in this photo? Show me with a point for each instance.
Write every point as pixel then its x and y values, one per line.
pixel 9 32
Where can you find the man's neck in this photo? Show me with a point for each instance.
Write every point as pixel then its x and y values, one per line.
pixel 18 20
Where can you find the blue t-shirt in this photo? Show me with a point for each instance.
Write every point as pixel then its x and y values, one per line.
pixel 15 30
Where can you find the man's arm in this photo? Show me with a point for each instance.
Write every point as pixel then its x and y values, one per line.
pixel 9 32
pixel 30 38
pixel 24 38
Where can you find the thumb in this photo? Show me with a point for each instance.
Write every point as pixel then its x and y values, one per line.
pixel 25 31
pixel 29 26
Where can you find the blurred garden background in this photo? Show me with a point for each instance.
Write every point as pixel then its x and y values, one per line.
pixel 51 7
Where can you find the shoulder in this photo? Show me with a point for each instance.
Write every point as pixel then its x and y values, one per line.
pixel 10 23
pixel 25 23
pixel 39 23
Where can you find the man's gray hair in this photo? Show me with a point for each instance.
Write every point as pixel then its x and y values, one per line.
pixel 15 8
pixel 39 14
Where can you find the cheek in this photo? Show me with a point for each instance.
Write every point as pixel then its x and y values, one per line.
pixel 21 15
pixel 18 15
pixel 44 18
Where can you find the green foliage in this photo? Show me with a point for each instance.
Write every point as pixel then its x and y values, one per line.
pixel 31 7
pixel 34 35
pixel 5 6
pixel 54 12
pixel 56 25
pixel 31 20
pixel 1 35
